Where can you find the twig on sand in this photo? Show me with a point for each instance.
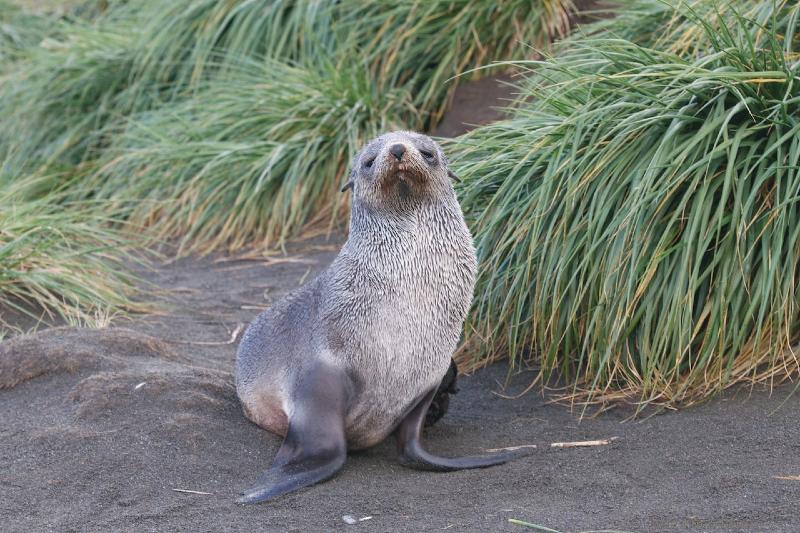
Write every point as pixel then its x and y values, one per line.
pixel 260 258
pixel 532 526
pixel 264 263
pixel 350 519
pixel 244 303
pixel 234 335
pixel 510 448
pixel 574 444
pixel 182 289
pixel 788 478
pixel 583 443
pixel 303 279
pixel 193 492
pixel 549 530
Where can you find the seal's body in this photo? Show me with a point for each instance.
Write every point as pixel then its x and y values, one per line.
pixel 359 352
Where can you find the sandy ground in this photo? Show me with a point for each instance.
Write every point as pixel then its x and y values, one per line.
pixel 98 428
pixel 103 425
pixel 475 103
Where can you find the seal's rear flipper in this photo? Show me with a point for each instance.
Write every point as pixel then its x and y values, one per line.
pixel 315 447
pixel 412 453
pixel 441 400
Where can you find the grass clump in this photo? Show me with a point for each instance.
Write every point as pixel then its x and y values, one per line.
pixel 131 58
pixel 190 41
pixel 64 84
pixel 255 156
pixel 63 96
pixel 422 44
pixel 671 25
pixel 217 123
pixel 20 30
pixel 67 99
pixel 638 217
pixel 59 260
pixel 416 44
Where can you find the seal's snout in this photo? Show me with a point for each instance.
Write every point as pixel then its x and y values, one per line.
pixel 397 151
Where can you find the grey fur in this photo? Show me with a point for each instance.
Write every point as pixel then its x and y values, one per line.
pixel 388 311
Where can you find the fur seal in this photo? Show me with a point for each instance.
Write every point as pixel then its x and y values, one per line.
pixel 359 352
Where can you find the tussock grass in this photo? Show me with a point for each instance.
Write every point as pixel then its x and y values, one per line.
pixel 218 123
pixel 417 44
pixel 255 156
pixel 63 96
pixel 638 218
pixel 63 83
pixel 422 44
pixel 73 91
pixel 132 57
pixel 19 31
pixel 189 41
pixel 671 25
pixel 59 259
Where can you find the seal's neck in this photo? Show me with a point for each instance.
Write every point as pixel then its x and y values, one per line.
pixel 421 219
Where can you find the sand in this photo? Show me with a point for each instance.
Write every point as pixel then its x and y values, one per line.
pixel 99 429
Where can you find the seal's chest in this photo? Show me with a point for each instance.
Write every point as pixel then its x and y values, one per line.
pixel 416 333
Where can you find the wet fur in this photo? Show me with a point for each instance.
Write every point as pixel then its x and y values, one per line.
pixel 387 312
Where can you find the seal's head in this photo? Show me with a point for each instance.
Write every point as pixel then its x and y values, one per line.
pixel 399 170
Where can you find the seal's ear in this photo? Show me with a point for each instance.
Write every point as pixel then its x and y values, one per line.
pixel 453 176
pixel 350 178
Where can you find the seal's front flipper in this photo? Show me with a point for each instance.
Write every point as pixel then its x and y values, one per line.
pixel 315 447
pixel 412 454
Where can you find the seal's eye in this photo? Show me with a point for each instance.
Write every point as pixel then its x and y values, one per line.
pixel 368 162
pixel 427 155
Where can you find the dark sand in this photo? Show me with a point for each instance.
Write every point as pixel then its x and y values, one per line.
pixel 99 427
pixel 84 449
pixel 476 103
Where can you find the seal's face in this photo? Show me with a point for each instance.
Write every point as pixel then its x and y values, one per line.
pixel 399 169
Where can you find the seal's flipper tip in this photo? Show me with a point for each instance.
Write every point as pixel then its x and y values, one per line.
pixel 415 457
pixel 306 470
pixel 409 445
pixel 315 446
pixel 247 498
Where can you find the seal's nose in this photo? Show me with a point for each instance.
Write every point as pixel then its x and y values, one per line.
pixel 397 151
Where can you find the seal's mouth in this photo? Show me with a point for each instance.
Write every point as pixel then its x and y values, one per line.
pixel 403 171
